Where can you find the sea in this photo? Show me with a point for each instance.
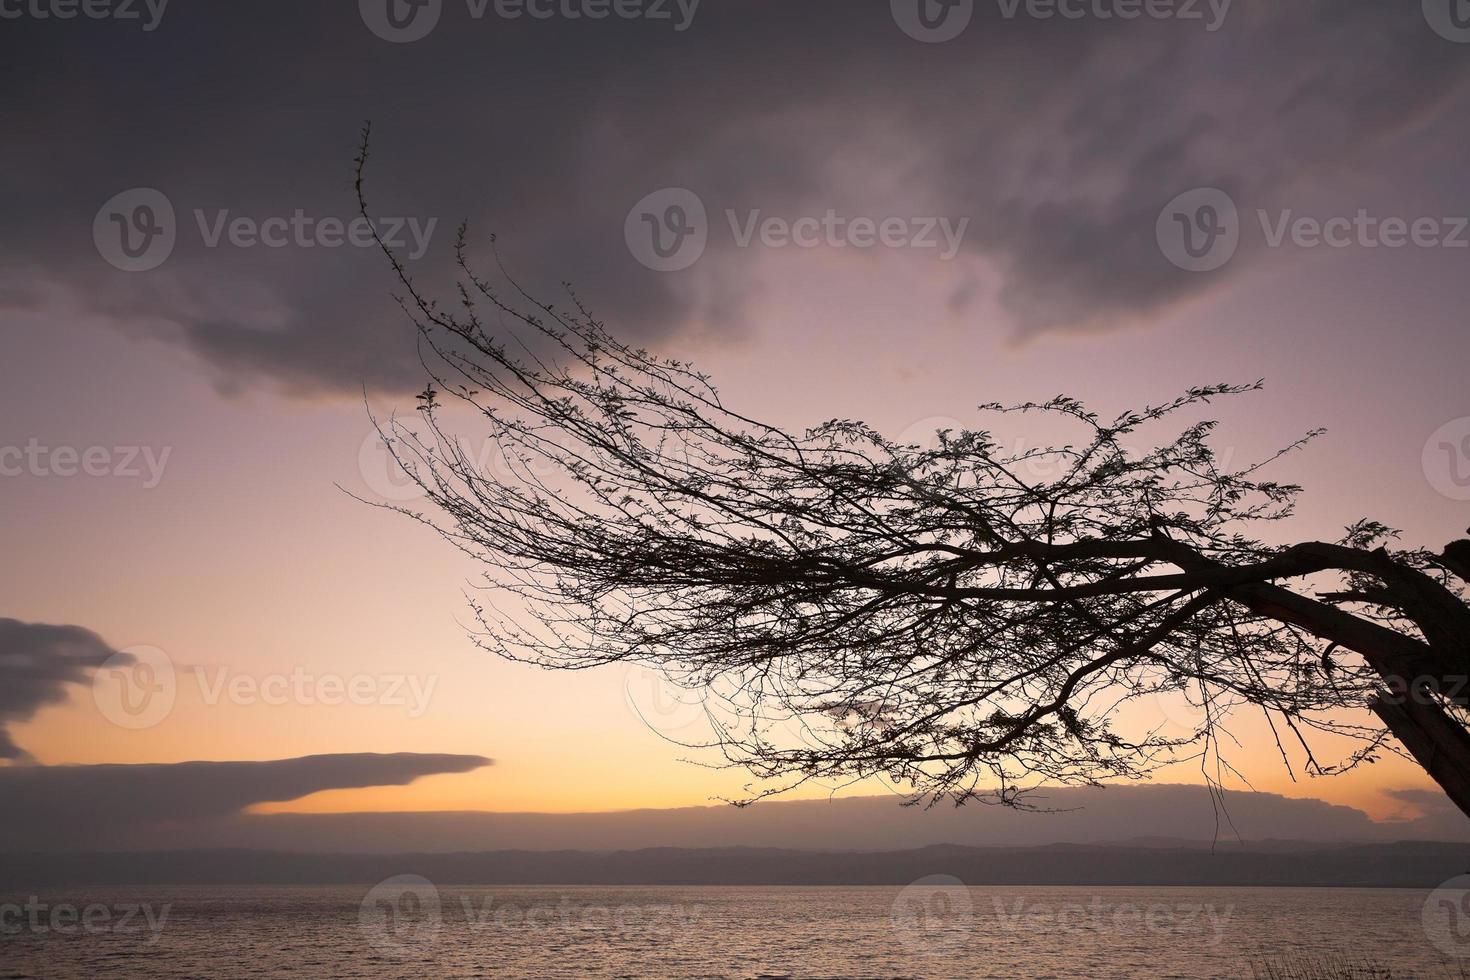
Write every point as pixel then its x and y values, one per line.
pixel 406 927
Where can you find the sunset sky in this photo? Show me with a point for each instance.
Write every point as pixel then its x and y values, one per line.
pixel 243 374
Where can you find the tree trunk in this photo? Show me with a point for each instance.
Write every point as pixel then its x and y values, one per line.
pixel 1433 737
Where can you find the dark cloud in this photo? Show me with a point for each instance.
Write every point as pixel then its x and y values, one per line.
pixel 37 663
pixel 1426 799
pixel 1430 812
pixel 1060 141
pixel 67 806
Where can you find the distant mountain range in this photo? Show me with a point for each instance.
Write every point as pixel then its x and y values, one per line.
pixel 1404 864
pixel 207 806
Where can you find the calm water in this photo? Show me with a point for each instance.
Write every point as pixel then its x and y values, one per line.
pixel 406 928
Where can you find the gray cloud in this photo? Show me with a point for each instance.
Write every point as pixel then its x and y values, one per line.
pixel 1060 140
pixel 1431 813
pixel 59 806
pixel 1428 799
pixel 37 663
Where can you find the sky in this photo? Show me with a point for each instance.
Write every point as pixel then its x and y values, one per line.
pixel 858 216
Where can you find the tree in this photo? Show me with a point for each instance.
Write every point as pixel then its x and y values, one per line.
pixel 962 619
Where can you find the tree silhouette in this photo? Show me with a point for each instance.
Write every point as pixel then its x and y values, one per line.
pixel 963 619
